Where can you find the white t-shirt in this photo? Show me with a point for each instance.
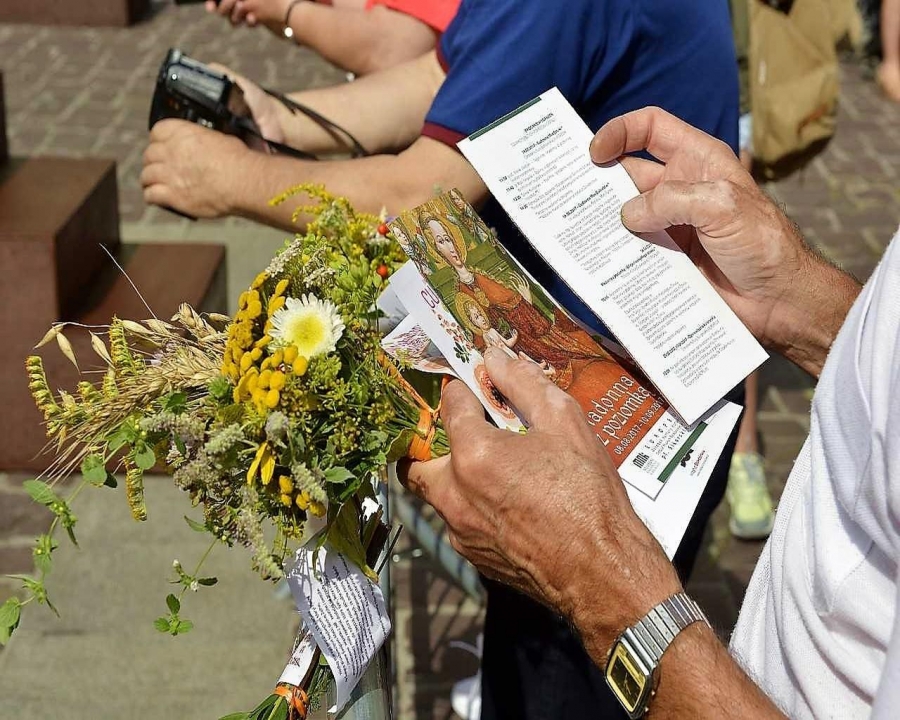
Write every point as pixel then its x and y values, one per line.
pixel 818 629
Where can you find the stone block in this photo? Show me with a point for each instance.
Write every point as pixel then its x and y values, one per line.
pixel 166 276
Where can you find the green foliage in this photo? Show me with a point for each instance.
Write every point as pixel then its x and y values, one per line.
pixel 344 536
pixel 40 492
pixel 93 469
pixel 338 475
pixel 175 403
pixel 194 525
pixel 42 553
pixel 144 457
pixel 10 611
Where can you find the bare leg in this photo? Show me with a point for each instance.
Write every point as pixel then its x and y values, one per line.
pixel 889 70
pixel 361 41
pixel 747 439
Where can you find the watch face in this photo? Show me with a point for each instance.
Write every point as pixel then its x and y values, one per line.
pixel 626 681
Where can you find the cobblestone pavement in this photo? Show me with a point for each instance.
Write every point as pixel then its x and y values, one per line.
pixel 86 92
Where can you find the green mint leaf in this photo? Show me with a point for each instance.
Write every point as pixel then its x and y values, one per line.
pixel 93 467
pixel 40 492
pixel 145 458
pixel 174 604
pixel 194 525
pixel 338 475
pixel 161 624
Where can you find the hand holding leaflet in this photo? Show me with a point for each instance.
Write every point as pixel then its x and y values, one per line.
pixel 680 332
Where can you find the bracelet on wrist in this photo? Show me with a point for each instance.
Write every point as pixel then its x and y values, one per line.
pixel 288 31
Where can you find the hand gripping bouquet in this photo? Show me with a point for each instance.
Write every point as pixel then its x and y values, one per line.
pixel 277 421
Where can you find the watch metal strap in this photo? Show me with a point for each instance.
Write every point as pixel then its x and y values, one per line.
pixel 659 627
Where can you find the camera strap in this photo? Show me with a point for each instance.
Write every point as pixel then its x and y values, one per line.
pixel 332 128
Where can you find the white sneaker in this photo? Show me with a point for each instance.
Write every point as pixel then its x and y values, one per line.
pixel 465 697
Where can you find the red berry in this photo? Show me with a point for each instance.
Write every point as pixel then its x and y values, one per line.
pixel 383 271
pixel 383 229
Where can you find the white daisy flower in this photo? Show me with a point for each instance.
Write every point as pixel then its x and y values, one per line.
pixel 311 325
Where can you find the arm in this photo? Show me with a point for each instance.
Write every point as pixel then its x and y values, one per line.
pixel 384 111
pixel 791 299
pixel 361 41
pixel 589 557
pixel 345 34
pixel 206 174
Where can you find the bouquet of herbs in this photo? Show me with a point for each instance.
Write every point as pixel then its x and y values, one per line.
pixel 276 421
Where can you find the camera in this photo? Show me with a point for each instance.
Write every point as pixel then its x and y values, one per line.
pixel 189 90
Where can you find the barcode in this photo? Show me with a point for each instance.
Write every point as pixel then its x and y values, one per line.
pixel 641 459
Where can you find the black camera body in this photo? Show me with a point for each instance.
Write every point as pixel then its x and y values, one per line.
pixel 189 90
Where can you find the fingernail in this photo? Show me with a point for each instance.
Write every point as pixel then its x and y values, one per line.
pixel 633 209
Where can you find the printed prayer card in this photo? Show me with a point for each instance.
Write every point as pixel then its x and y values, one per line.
pixel 465 293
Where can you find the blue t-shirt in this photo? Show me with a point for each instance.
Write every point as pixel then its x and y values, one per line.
pixel 607 57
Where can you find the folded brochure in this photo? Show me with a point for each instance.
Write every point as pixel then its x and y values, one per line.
pixel 463 293
pixel 684 337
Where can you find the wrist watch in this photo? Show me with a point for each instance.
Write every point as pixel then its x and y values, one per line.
pixel 632 671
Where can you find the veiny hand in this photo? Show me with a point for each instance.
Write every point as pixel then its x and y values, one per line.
pixel 268 113
pixel 544 512
pixel 745 246
pixel 192 169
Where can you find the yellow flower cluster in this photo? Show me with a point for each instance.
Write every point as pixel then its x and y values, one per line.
pixel 263 465
pixel 259 377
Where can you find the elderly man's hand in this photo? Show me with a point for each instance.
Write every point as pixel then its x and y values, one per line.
pixel 544 512
pixel 192 169
pixel 739 239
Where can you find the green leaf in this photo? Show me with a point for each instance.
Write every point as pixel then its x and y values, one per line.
pixel 10 611
pixel 236 716
pixel 111 481
pixel 400 446
pixel 338 475
pixel 161 624
pixel 180 446
pixel 194 525
pixel 93 467
pixel 125 435
pixel 181 627
pixel 43 549
pixel 176 403
pixel 145 458
pixel 344 537
pixel 174 603
pixel 208 581
pixel 40 492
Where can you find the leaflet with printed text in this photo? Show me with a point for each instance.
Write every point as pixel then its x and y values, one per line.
pixel 685 338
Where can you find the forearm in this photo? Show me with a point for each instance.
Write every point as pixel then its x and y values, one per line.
pixel 812 312
pixel 394 182
pixel 611 586
pixel 384 111
pixel 700 680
